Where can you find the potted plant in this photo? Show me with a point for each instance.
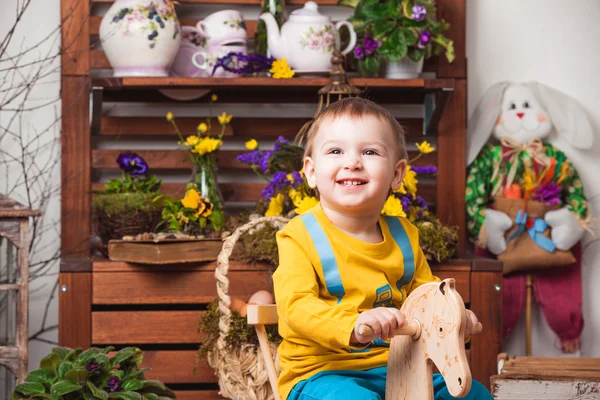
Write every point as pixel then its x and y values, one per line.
pixel 74 374
pixel 401 32
pixel 125 206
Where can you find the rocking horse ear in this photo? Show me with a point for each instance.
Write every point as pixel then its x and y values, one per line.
pixel 442 285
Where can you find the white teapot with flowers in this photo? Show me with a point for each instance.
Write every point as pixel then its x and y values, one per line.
pixel 307 40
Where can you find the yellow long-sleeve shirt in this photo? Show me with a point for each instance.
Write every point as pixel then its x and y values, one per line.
pixel 325 279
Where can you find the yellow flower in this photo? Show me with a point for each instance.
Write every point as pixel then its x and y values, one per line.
pixel 393 207
pixel 409 184
pixel 204 208
pixel 275 206
pixel 281 69
pixel 224 118
pixel 425 148
pixel 170 116
pixel 191 199
pixel 214 98
pixel 202 128
pixel 207 145
pixel 252 144
pixel 182 218
pixel 303 204
pixel 192 141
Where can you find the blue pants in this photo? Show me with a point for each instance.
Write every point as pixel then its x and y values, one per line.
pixel 367 385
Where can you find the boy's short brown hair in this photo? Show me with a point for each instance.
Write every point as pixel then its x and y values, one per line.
pixel 354 107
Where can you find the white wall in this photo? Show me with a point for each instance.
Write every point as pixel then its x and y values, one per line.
pixel 556 43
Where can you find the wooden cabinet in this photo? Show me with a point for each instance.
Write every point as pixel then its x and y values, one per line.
pixel 158 308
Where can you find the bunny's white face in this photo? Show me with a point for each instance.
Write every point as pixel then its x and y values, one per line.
pixel 522 117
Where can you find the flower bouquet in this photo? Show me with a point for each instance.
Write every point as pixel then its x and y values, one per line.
pixel 125 206
pixel 287 193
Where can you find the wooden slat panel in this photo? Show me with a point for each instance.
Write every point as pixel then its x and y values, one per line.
pixel 232 192
pixel 454 12
pixel 75 38
pixel 239 2
pixel 463 283
pixel 198 395
pixel 176 367
pixel 75 305
pixel 95 25
pixel 173 288
pixel 104 265
pixel 145 327
pixel 239 127
pixel 178 159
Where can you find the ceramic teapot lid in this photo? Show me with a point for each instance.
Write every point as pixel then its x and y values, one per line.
pixel 308 13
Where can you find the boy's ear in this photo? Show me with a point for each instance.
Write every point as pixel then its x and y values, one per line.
pixel 309 172
pixel 399 171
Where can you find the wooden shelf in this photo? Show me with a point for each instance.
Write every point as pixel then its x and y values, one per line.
pixel 423 85
pixel 238 2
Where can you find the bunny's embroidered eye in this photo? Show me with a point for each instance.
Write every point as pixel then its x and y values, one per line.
pixel 512 106
pixel 526 104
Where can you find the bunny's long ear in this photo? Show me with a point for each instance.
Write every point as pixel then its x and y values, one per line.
pixel 568 117
pixel 483 119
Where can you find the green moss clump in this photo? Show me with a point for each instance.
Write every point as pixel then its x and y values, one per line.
pixel 239 330
pixel 437 240
pixel 130 203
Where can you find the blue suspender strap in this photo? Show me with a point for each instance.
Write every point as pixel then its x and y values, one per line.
pixel 328 261
pixel 402 240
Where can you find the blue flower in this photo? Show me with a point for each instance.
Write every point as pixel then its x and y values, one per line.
pixel 132 163
pixel 280 140
pixel 251 158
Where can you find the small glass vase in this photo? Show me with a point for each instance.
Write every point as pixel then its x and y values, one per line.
pixel 205 170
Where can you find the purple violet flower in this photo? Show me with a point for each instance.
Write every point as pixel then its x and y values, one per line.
pixel 405 200
pixel 424 170
pixel 418 12
pixel 422 202
pixel 132 163
pixel 112 384
pixel 371 45
pixel 263 163
pixel 548 193
pixel 297 179
pixel 424 39
pixel 359 52
pixel 280 140
pixel 251 158
pixel 92 366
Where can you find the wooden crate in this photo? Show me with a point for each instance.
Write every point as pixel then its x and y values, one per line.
pixel 533 378
pixel 158 309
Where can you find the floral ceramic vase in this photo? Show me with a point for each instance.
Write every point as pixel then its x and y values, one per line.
pixel 140 37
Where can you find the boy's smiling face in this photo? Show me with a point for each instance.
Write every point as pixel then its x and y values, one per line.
pixel 354 163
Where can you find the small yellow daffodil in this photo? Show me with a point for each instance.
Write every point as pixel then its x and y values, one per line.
pixel 191 199
pixel 393 207
pixel 191 141
pixel 252 144
pixel 224 118
pixel 425 148
pixel 275 206
pixel 202 128
pixel 303 204
pixel 207 145
pixel 182 218
pixel 170 116
pixel 281 70
pixel 214 98
pixel 409 184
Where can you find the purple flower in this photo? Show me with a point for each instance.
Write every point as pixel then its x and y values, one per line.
pixel 424 170
pixel 112 384
pixel 263 163
pixel 359 52
pixel 251 158
pixel 422 202
pixel 297 179
pixel 418 12
pixel 424 39
pixel 548 193
pixel 280 140
pixel 405 200
pixel 132 163
pixel 92 366
pixel 371 45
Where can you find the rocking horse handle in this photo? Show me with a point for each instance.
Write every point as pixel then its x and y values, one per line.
pixel 412 328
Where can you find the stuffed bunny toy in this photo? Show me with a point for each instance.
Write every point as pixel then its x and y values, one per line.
pixel 511 132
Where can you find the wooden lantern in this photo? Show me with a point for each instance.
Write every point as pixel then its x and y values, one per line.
pixel 14 226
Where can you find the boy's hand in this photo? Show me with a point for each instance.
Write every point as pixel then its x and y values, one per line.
pixel 384 321
pixel 473 324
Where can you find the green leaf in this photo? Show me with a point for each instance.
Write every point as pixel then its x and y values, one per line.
pixel 30 388
pixel 40 376
pixel 132 385
pixel 73 354
pixel 374 11
pixel 63 387
pixel 369 66
pixel 415 54
pixel 50 362
pixel 99 393
pixel 62 352
pixel 63 368
pixel 394 48
pixel 45 396
pixel 87 396
pixel 122 355
pixel 157 387
pixel 348 3
pixel 150 396
pixel 382 28
pixel 125 396
pixel 358 24
pixel 77 374
pixel 87 355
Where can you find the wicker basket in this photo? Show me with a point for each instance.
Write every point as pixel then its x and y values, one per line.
pixel 241 370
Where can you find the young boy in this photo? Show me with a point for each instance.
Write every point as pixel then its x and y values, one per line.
pixel 342 264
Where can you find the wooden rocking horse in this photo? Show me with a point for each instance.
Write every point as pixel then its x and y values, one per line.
pixel 433 335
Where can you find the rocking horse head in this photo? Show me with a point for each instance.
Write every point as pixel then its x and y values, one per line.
pixel 440 312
